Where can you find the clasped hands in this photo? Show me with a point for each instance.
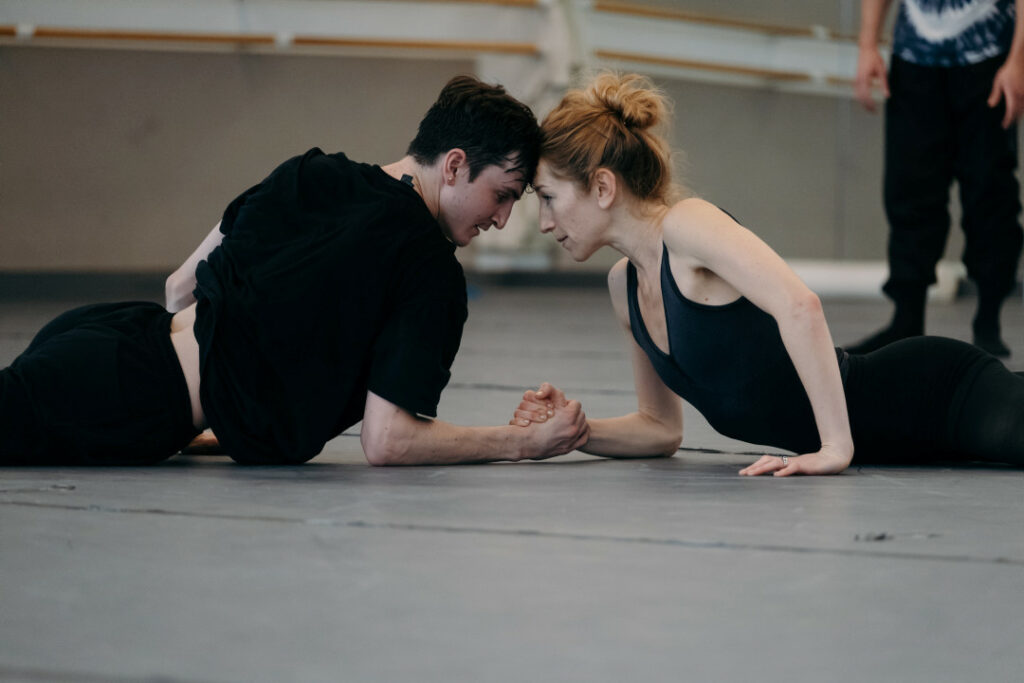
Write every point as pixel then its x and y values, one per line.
pixel 560 425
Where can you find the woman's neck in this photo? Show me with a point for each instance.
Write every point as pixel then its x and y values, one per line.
pixel 637 234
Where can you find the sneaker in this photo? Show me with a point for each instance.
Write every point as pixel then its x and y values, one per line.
pixel 991 342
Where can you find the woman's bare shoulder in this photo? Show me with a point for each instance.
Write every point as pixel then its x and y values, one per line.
pixel 692 213
pixel 691 224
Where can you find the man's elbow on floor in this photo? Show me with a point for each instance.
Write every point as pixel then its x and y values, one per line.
pixel 384 447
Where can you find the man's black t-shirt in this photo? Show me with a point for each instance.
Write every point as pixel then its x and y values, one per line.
pixel 332 278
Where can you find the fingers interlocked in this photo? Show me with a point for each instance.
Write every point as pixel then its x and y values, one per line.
pixel 538 406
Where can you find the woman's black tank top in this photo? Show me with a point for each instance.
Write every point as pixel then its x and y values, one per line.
pixel 729 362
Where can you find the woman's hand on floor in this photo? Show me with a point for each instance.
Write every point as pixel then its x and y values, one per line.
pixel 829 460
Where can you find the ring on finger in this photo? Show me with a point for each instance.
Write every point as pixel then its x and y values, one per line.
pixel 785 460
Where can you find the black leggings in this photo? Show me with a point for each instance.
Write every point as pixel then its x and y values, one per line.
pixel 99 384
pixel 928 399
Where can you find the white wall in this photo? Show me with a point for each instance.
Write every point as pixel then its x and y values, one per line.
pixel 122 160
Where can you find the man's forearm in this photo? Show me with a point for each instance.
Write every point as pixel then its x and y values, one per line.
pixel 393 436
pixel 433 442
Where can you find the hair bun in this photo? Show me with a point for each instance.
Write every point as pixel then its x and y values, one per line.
pixel 631 98
pixel 608 124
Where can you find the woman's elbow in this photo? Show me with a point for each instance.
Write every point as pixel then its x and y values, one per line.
pixel 670 444
pixel 807 306
pixel 663 432
pixel 673 445
pixel 668 436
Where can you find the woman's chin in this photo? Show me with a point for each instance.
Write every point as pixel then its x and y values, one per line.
pixel 576 252
pixel 581 256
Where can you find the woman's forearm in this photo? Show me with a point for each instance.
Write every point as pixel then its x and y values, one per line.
pixel 809 342
pixel 632 436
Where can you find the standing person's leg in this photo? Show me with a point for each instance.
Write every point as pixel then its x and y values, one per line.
pixel 985 167
pixel 100 385
pixel 918 174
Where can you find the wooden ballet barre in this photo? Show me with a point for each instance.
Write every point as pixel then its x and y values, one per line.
pixel 768 74
pixel 455 45
pixel 152 36
pixel 501 47
pixel 500 3
pixel 649 12
pixel 840 81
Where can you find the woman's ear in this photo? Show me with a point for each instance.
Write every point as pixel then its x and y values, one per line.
pixel 605 186
pixel 454 163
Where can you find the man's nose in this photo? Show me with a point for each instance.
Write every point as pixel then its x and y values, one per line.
pixel 501 216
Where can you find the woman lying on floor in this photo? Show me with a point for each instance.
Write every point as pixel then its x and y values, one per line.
pixel 719 319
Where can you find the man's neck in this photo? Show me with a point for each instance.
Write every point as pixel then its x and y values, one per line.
pixel 422 180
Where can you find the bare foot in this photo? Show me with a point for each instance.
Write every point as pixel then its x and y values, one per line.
pixel 204 444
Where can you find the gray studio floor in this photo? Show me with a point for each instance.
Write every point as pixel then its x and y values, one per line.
pixel 575 569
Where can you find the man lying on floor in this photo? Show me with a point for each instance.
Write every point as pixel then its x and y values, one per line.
pixel 329 293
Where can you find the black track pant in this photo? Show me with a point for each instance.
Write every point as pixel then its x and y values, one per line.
pixel 931 399
pixel 939 127
pixel 99 384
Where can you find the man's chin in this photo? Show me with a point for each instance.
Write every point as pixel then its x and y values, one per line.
pixel 467 237
pixel 459 239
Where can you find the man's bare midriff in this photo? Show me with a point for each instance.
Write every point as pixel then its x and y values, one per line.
pixel 187 348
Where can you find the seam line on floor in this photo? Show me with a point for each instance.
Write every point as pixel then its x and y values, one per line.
pixel 533 533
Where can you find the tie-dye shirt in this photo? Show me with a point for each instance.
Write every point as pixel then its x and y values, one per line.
pixel 953 32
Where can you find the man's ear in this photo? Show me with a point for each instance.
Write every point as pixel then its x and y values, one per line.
pixel 605 187
pixel 454 163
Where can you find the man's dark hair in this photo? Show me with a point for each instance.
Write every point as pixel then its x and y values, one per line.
pixel 485 122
